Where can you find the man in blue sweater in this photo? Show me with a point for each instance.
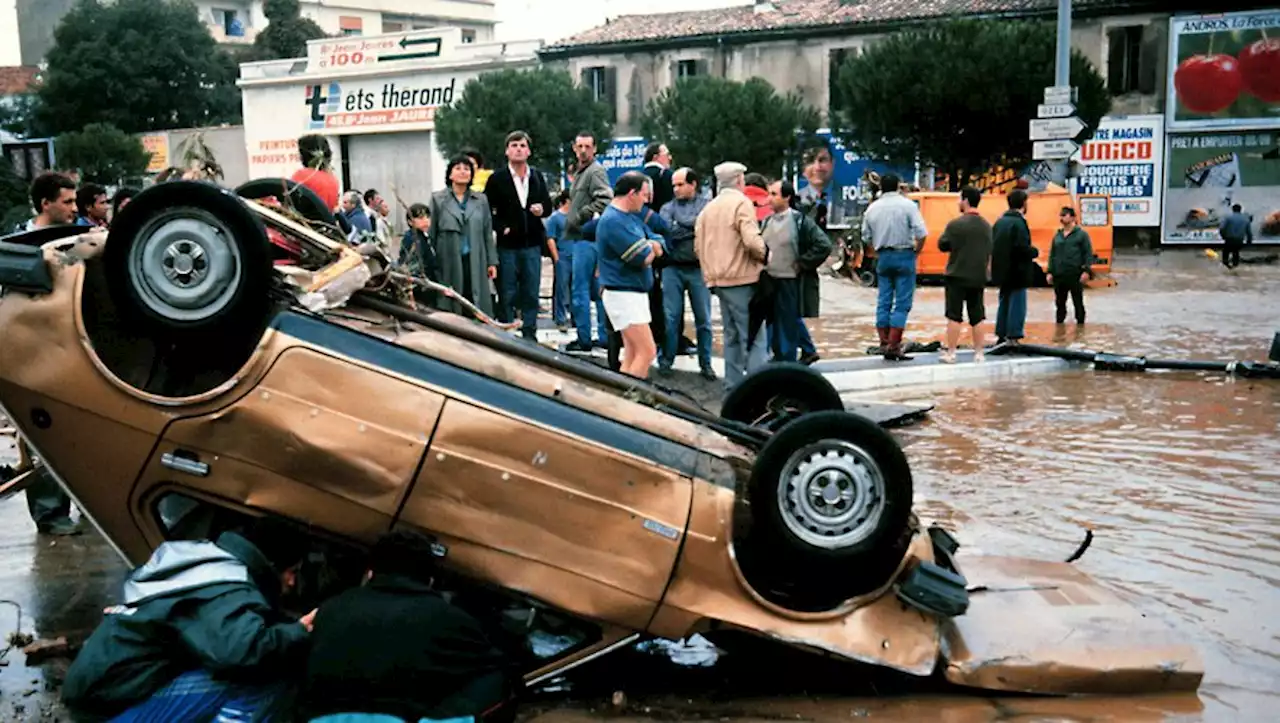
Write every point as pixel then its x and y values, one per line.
pixel 626 250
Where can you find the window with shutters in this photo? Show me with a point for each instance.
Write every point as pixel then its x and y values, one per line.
pixel 1132 55
pixel 835 60
pixel 686 69
pixel 602 81
pixel 468 36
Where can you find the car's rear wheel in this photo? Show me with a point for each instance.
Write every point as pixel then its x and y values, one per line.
pixel 304 200
pixel 830 499
pixel 188 258
pixel 778 393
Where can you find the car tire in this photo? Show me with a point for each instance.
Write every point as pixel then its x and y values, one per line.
pixel 777 393
pixel 306 201
pixel 187 259
pixel 868 278
pixel 830 499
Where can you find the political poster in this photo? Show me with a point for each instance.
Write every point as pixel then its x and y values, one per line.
pixel 828 169
pixel 1224 70
pixel 622 155
pixel 1124 160
pixel 1211 172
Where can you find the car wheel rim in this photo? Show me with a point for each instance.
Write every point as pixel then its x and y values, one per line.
pixel 832 494
pixel 186 265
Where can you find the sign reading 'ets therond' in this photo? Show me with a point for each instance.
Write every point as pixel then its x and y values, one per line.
pixel 352 105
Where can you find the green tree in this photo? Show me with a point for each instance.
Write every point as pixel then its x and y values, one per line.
pixel 543 102
pixel 705 121
pixel 286 34
pixel 15 206
pixel 139 65
pixel 102 154
pixel 956 95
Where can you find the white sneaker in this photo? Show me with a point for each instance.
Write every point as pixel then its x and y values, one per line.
pixel 979 356
pixel 947 357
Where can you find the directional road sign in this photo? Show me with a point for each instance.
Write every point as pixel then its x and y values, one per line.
pixel 1055 110
pixel 1059 94
pixel 1052 129
pixel 414 48
pixel 1053 150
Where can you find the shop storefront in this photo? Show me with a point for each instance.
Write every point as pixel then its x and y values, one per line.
pixel 1124 159
pixel 1223 125
pixel 375 98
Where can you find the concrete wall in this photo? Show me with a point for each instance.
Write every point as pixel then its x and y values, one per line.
pixel 10 41
pixel 805 66
pixel 37 20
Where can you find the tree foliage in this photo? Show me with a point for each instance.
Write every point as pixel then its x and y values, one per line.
pixel 102 154
pixel 705 121
pixel 139 65
pixel 543 102
pixel 957 95
pixel 15 207
pixel 286 34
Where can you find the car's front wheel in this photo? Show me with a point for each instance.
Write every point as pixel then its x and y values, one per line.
pixel 187 258
pixel 778 393
pixel 830 500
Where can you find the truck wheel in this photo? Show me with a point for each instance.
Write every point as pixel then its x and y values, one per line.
pixel 187 258
pixel 830 498
pixel 777 394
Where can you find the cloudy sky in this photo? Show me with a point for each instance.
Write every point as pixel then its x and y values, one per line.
pixel 552 20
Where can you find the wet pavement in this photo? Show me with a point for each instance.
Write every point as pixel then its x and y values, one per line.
pixel 1175 472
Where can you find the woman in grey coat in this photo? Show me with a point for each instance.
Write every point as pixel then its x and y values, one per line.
pixel 462 235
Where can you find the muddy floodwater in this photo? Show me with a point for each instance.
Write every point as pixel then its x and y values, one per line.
pixel 1178 475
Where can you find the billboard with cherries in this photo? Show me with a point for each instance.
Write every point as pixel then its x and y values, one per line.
pixel 1224 70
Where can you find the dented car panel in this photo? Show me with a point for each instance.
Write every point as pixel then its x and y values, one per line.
pixel 533 479
pixel 1047 627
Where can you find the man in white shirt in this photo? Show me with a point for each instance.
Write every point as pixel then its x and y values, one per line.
pixel 519 199
pixel 894 227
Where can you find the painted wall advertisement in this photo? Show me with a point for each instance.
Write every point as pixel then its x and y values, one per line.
pixel 1211 172
pixel 1226 70
pixel 831 169
pixel 1124 160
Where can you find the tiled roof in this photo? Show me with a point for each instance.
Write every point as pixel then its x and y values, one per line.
pixel 782 15
pixel 17 79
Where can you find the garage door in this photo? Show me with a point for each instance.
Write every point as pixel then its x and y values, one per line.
pixel 394 160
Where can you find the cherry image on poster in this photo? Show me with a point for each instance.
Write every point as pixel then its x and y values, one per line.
pixel 1208 83
pixel 1260 69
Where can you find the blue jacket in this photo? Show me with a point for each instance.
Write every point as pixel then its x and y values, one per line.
pixel 622 247
pixel 1236 228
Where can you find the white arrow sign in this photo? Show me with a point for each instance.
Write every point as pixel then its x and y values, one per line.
pixel 1051 129
pixel 1059 94
pixel 1055 110
pixel 1053 150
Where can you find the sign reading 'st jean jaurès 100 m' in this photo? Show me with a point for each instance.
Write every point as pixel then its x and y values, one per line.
pixel 1124 160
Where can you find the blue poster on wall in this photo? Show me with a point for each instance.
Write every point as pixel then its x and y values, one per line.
pixel 831 171
pixel 623 154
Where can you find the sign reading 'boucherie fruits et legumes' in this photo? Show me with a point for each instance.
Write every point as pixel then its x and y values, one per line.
pixel 1225 70
pixel 1124 160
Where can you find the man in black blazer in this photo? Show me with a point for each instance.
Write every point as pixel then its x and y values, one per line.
pixel 520 199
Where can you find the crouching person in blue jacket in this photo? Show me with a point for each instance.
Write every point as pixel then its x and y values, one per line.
pixel 199 636
pixel 625 250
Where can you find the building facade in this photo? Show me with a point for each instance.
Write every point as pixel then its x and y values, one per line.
pixel 240 21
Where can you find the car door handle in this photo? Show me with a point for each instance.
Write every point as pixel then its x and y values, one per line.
pixel 183 461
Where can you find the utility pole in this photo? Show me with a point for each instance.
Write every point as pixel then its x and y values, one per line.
pixel 1062 69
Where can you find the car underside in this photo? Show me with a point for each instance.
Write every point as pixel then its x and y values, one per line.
pixel 187 370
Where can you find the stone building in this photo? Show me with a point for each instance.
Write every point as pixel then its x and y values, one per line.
pixel 795 44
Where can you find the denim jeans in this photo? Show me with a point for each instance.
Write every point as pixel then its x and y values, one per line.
pixel 806 340
pixel 785 323
pixel 563 286
pixel 519 276
pixel 196 695
pixel 586 289
pixel 897 271
pixel 676 280
pixel 1011 315
pixel 735 318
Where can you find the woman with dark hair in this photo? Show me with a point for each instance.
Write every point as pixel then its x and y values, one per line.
pixel 317 157
pixel 461 232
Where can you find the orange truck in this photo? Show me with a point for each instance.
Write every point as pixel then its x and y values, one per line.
pixel 1092 211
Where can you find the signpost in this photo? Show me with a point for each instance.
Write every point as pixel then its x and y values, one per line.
pixel 1053 150
pixel 1055 110
pixel 1052 129
pixel 1059 94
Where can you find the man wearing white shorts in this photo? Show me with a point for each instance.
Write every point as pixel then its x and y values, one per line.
pixel 626 249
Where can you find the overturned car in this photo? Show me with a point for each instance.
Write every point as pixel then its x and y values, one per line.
pixel 189 369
